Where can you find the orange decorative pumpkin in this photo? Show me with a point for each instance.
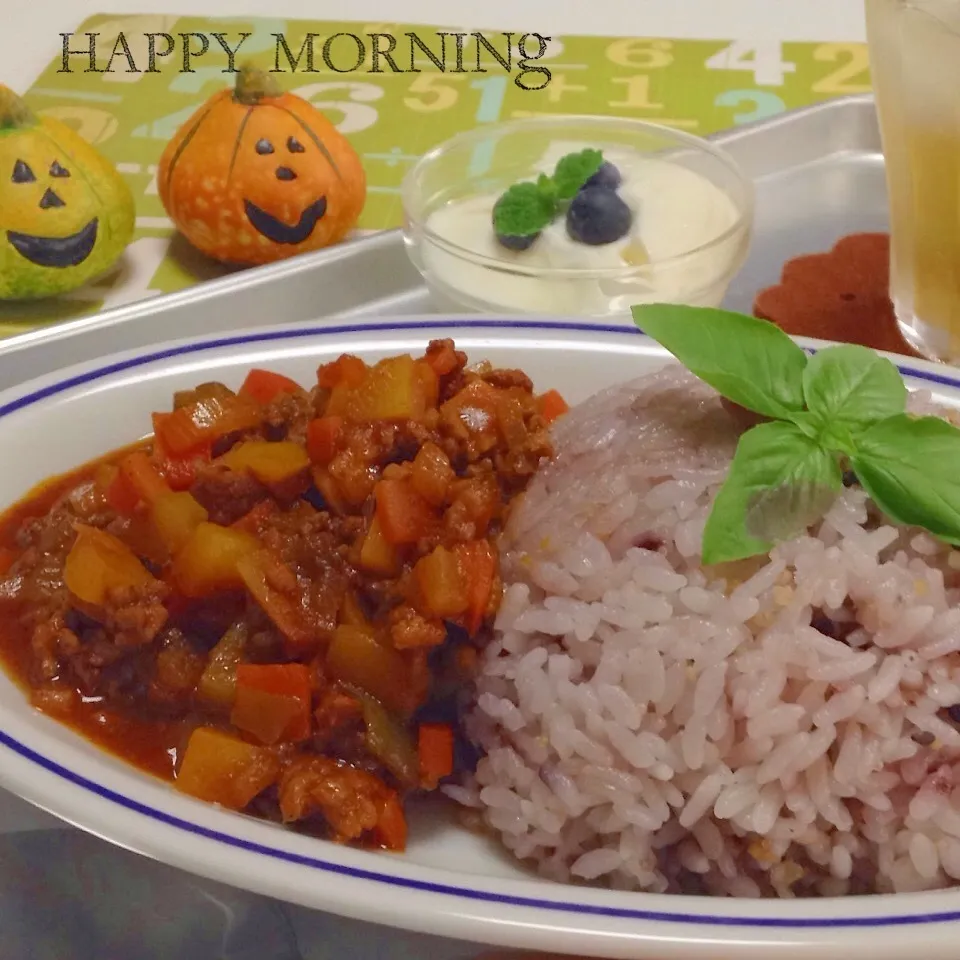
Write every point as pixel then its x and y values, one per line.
pixel 256 175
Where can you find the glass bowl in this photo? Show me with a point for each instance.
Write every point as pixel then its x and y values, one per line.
pixel 691 220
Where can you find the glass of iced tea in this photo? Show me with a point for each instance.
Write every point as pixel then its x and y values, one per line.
pixel 915 67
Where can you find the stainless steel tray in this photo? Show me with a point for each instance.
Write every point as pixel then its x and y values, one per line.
pixel 818 174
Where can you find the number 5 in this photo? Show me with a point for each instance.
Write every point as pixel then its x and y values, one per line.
pixel 441 96
pixel 357 115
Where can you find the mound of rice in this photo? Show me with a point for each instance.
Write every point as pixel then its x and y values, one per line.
pixel 772 728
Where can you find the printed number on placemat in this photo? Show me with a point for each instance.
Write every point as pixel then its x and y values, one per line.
pixel 764 60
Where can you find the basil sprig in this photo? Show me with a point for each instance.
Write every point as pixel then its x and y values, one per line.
pixel 844 407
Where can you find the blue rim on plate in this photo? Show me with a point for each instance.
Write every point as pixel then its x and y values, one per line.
pixel 317 863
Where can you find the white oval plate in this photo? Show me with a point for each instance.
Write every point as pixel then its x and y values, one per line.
pixel 450 882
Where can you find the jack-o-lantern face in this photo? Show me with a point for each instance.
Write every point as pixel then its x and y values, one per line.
pixel 65 213
pixel 256 175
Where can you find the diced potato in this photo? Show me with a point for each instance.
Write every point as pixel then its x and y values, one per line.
pixel 432 474
pixel 208 561
pixel 99 562
pixel 176 515
pixel 442 583
pixel 355 658
pixel 219 680
pixel 270 463
pixel 220 768
pixel 376 554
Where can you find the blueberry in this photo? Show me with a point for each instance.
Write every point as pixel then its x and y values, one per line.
pixel 516 243
pixel 606 176
pixel 597 215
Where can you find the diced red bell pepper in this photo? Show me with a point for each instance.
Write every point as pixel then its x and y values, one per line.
pixel 478 562
pixel 118 492
pixel 179 470
pixel 346 370
pixel 139 471
pixel 403 514
pixel 221 768
pixel 552 405
pixel 322 436
pixel 272 701
pixel 435 750
pixel 265 385
pixel 391 828
pixel 190 427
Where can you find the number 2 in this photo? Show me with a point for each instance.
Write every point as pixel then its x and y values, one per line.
pixel 764 60
pixel 839 80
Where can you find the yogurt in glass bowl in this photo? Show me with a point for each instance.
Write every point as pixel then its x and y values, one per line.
pixel 615 212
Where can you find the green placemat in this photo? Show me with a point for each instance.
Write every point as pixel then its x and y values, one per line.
pixel 392 118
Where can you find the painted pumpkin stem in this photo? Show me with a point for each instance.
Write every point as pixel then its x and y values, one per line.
pixel 254 85
pixel 14 112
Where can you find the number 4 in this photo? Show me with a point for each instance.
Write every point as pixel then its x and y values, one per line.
pixel 764 60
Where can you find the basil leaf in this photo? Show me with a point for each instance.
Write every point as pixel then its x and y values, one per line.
pixel 749 361
pixel 779 483
pixel 853 386
pixel 911 469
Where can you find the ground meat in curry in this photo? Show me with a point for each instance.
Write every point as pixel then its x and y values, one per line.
pixel 275 599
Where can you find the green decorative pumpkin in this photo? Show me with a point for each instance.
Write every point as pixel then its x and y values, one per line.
pixel 66 215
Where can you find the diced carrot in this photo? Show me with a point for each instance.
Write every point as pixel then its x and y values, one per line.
pixel 99 562
pixel 261 571
pixel 7 557
pixel 139 471
pixel 265 385
pixel 435 749
pixel 322 436
pixel 391 827
pixel 189 427
pixel 377 554
pixel 442 583
pixel 208 561
pixel 221 768
pixel 442 358
pixel 552 405
pixel 403 514
pixel 175 515
pixel 270 462
pixel 478 563
pixel 346 370
pixel 273 701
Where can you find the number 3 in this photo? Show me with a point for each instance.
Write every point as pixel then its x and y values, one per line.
pixel 357 115
pixel 764 60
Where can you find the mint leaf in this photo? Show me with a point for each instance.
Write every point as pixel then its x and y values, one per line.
pixel 910 467
pixel 522 210
pixel 853 386
pixel 574 170
pixel 779 483
pixel 749 361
